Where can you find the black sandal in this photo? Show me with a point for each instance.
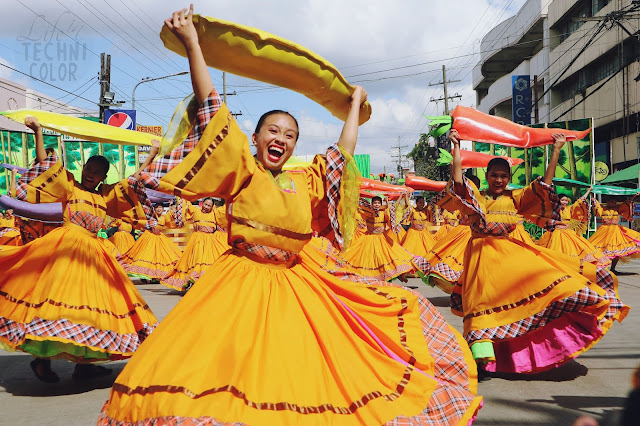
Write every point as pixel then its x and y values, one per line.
pixel 42 369
pixel 87 371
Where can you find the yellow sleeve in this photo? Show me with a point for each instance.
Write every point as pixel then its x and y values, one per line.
pixel 624 209
pixel 538 203
pixel 218 166
pixel 122 202
pixel 471 203
pixel 597 208
pixel 53 185
pixel 316 175
pixel 580 210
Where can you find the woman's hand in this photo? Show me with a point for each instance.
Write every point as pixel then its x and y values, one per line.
pixel 182 26
pixel 359 96
pixel 454 137
pixel 32 123
pixel 559 139
pixel 155 148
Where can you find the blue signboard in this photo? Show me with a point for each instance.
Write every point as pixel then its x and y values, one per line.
pixel 123 118
pixel 521 102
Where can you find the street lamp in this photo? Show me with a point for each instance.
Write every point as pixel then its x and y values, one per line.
pixel 148 79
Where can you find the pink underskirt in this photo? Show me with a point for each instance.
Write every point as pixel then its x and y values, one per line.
pixel 551 346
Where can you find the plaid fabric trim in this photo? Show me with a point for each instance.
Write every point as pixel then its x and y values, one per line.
pixel 553 197
pixel 446 272
pixel 495 229
pixel 80 334
pixel 455 301
pixel 205 113
pixel 604 279
pixel 395 223
pixel 574 303
pixel 204 228
pixel 335 167
pixel 7 230
pixel 363 202
pixel 88 221
pixel 36 170
pixel 140 192
pixel 266 252
pixel 422 264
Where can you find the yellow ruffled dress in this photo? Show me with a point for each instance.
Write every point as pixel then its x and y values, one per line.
pixel 291 344
pixel 122 238
pixel 566 237
pixel 153 256
pixel 375 254
pixel 418 240
pixel 614 240
pixel 526 308
pixel 202 250
pixel 520 233
pixel 63 295
pixel 451 219
pixel 9 233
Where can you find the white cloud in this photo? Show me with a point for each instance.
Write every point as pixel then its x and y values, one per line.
pixel 362 38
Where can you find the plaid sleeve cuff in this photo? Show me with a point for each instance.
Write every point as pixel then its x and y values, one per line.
pixel 205 113
pixel 148 181
pixel 138 188
pixel 554 199
pixel 32 173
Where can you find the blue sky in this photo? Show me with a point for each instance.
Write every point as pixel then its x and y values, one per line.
pixel 394 49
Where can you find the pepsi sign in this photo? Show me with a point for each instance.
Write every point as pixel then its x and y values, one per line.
pixel 123 118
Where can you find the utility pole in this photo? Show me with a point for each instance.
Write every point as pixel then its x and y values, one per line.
pixel 442 143
pixel 398 157
pixel 106 96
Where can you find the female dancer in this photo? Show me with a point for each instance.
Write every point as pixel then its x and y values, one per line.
pixel 375 254
pixel 201 251
pixel 292 344
pixel 525 308
pixel 614 240
pixel 451 219
pixel 566 236
pixel 153 255
pixel 9 233
pixel 63 295
pixel 122 238
pixel 418 240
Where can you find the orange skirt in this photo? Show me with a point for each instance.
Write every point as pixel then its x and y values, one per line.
pixel 153 256
pixel 616 241
pixel 568 242
pixel 202 250
pixel 281 327
pixel 378 256
pixel 64 296
pixel 123 241
pixel 447 258
pixel 444 229
pixel 521 234
pixel 10 237
pixel 417 242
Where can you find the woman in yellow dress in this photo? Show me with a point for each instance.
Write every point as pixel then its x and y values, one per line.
pixel 292 344
pixel 418 239
pixel 63 295
pixel 376 254
pixel 153 255
pixel 450 219
pixel 201 250
pixel 9 233
pixel 525 308
pixel 616 241
pixel 122 238
pixel 566 236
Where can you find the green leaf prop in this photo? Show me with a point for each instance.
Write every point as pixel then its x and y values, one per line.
pixel 439 125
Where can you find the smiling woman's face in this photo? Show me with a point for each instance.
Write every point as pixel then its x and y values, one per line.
pixel 275 140
pixel 498 178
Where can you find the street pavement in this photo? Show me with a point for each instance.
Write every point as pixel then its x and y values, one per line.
pixel 594 384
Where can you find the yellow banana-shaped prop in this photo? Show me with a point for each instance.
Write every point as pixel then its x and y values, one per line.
pixel 255 54
pixel 82 129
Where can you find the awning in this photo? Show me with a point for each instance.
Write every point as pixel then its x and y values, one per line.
pixel 628 174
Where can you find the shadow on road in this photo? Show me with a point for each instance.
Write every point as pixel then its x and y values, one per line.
pixel 17 378
pixel 569 371
pixel 442 302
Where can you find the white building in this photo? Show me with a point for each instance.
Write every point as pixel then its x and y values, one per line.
pixel 15 96
pixel 583 77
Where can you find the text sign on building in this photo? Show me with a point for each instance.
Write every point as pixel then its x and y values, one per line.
pixel 143 150
pixel 521 102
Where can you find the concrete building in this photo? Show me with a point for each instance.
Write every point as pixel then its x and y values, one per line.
pixel 582 71
pixel 15 96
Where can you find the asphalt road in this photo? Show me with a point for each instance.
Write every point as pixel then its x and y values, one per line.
pixel 595 384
